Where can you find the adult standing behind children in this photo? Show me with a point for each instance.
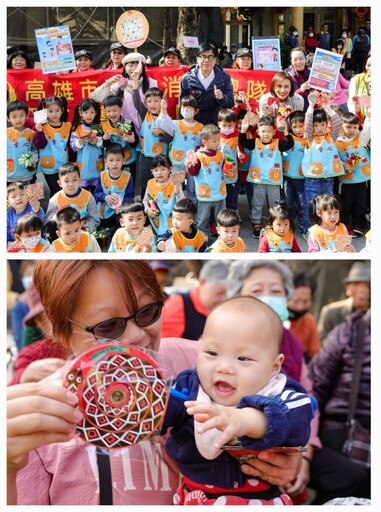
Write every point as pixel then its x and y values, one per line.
pixel 130 85
pixel 300 73
pixel 282 94
pixel 97 292
pixel 209 84
pixel 117 52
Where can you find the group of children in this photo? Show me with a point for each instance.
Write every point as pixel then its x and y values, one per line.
pixel 189 175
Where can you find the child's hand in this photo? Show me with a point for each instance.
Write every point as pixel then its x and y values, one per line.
pixel 39 127
pixel 129 137
pixel 157 131
pixel 350 248
pixel 368 111
pixel 107 136
pixel 35 204
pixel 111 200
pixel 244 125
pixel 218 94
pixel 160 246
pixel 164 106
pixel 152 213
pixel 92 140
pixel 313 97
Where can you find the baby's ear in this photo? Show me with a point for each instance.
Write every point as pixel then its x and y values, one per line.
pixel 278 363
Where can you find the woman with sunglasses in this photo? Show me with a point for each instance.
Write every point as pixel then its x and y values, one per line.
pixel 91 302
pixel 209 84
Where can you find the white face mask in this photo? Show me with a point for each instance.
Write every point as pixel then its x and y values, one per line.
pixel 344 36
pixel 311 34
pixel 227 131
pixel 295 34
pixel 187 115
pixel 30 243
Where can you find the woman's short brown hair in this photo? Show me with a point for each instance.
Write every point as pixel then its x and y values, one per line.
pixel 59 283
pixel 278 77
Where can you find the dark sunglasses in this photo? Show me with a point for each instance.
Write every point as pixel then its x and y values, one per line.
pixel 114 327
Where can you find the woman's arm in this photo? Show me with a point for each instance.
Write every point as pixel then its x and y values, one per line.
pixel 37 414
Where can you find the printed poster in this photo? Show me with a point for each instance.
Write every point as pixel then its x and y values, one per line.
pixel 55 49
pixel 325 70
pixel 266 53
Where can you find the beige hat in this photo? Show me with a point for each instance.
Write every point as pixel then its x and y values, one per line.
pixel 133 57
pixel 359 273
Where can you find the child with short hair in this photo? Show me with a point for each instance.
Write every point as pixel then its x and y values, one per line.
pixel 18 204
pixel 87 143
pixel 118 130
pixel 28 234
pixel 133 236
pixel 184 235
pixel 206 167
pixel 244 159
pixel 228 233
pixel 235 402
pixel 161 195
pixel 265 165
pixel 20 147
pixel 226 122
pixel 278 235
pixel 153 139
pixel 293 177
pixel 354 154
pixel 52 138
pixel 321 162
pixel 114 187
pixel 74 195
pixel 186 136
pixel 326 227
pixel 71 238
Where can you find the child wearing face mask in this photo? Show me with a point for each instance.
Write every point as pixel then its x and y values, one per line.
pixel 28 236
pixel 186 136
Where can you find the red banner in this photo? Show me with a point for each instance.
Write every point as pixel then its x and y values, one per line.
pixel 30 85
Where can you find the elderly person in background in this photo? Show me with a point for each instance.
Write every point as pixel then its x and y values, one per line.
pixel 357 289
pixel 209 84
pixel 184 314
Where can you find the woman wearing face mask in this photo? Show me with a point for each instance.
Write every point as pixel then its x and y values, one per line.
pixel 329 473
pixel 92 302
pixel 344 36
pixel 311 40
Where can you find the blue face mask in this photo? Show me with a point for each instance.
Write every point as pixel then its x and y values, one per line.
pixel 277 304
pixel 26 281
